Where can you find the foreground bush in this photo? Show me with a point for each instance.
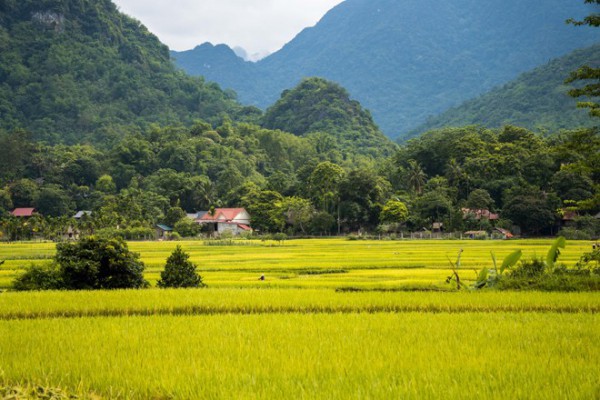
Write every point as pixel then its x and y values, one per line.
pixel 92 263
pixel 98 263
pixel 537 274
pixel 39 278
pixel 179 272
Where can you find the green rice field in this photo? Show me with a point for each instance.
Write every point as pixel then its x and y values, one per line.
pixel 294 336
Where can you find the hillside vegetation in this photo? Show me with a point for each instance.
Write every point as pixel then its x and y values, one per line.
pixel 318 106
pixel 536 100
pixel 406 60
pixel 72 70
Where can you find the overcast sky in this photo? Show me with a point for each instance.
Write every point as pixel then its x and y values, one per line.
pixel 258 26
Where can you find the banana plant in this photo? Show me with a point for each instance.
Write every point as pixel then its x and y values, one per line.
pixel 485 276
pixel 554 252
pixel 509 261
pixel 455 266
pixel 489 277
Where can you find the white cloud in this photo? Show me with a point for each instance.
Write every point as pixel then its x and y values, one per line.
pixel 259 26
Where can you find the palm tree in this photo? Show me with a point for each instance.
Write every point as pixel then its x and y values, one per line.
pixel 416 176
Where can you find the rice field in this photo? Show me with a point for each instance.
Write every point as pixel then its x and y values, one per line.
pixel 295 336
pixel 325 356
pixel 297 263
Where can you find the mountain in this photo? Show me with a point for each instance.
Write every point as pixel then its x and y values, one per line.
pixel 537 100
pixel 79 69
pixel 408 60
pixel 217 63
pixel 319 107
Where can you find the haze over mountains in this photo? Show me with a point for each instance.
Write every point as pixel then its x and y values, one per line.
pixel 536 100
pixel 405 61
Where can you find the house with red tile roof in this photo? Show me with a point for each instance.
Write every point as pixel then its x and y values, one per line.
pixel 221 220
pixel 23 212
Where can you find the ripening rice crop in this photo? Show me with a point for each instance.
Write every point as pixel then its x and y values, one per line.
pixel 411 262
pixel 326 356
pixel 34 305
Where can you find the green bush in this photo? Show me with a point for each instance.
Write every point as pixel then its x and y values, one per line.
pixel 535 274
pixel 575 234
pixel 280 237
pixel 187 227
pixel 553 282
pixel 39 278
pixel 99 263
pixel 529 269
pixel 180 272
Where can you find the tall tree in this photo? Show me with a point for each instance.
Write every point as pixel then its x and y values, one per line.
pixel 416 176
pixel 586 73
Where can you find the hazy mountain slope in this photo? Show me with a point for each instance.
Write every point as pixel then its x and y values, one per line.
pixel 536 100
pixel 407 60
pixel 216 64
pixel 73 69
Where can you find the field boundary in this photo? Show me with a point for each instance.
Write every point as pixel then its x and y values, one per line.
pixel 395 309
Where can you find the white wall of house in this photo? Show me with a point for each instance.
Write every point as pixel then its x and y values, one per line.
pixel 230 228
pixel 242 218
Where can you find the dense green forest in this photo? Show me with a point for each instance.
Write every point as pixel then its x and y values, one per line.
pixel 80 70
pixel 406 60
pixel 536 100
pixel 291 184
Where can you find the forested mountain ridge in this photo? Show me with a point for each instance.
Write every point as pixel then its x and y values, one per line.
pixel 537 100
pixel 406 61
pixel 323 111
pixel 75 69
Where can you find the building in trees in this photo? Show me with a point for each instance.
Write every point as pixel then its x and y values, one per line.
pixel 222 220
pixel 23 212
pixel 163 231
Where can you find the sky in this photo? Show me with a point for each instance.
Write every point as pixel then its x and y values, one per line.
pixel 258 26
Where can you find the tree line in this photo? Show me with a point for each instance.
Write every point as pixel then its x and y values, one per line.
pixel 295 185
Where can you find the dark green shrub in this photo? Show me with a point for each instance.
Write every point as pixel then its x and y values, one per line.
pixel 529 269
pixel 187 227
pixel 179 272
pixel 575 234
pixel 590 261
pixel 99 263
pixel 553 282
pixel 280 237
pixel 39 278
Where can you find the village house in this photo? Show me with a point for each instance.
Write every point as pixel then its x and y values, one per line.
pixel 82 214
pixel 567 217
pixel 163 231
pixel 23 212
pixel 222 220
